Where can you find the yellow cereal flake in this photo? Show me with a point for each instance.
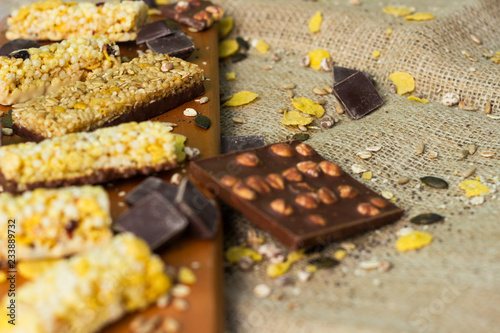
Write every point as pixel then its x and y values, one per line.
pixel 316 56
pixel 340 254
pixel 275 270
pixel 420 17
pixel 311 268
pixel 186 276
pixel 31 269
pixel 388 31
pixel 235 253
pixel 315 22
pixel 404 82
pixel 420 100
pixel 414 240
pixel 225 26
pixel 376 54
pixel 262 46
pixel 308 106
pixel 295 118
pixel 231 76
pixel 228 47
pixel 397 11
pixel 473 188
pixel 241 98
pixel 3 277
pixel 367 175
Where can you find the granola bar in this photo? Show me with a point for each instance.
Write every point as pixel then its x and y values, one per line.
pixel 84 293
pixel 89 158
pixel 53 223
pixel 26 74
pixel 57 20
pixel 137 90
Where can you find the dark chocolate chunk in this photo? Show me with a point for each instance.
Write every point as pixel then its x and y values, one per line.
pixel 153 31
pixel 238 57
pixel 334 206
pixel 357 95
pixel 21 54
pixel 203 121
pixel 234 143
pixel 201 212
pixel 7 119
pixel 151 184
pixel 110 50
pixel 199 15
pixel 427 218
pixel 17 44
pixel 175 45
pixel 342 73
pixel 434 182
pixel 153 219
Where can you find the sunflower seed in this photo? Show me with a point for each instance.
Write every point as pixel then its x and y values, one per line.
pixel 402 181
pixel 463 154
pixel 427 218
pixel 339 109
pixel 470 108
pixel 319 91
pixel 288 86
pixel 290 93
pixel 238 120
pixel 326 64
pixel 304 62
pixel 487 108
pixel 472 148
pixel 181 291
pixel 364 155
pixel 420 149
pixel 356 168
pixel 488 154
pixel 328 89
pixel 433 154
pixel 302 128
pixel 434 182
pixel 475 39
pixel 469 172
pixel 373 148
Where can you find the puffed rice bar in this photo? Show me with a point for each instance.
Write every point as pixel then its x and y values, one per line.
pixel 84 293
pixel 57 20
pixel 90 158
pixel 34 72
pixel 53 223
pixel 137 90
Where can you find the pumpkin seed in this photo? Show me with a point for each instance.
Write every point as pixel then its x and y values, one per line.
pixel 7 119
pixel 203 121
pixel 463 154
pixel 434 182
pixel 324 262
pixel 426 218
pixel 487 108
pixel 238 57
pixel 301 136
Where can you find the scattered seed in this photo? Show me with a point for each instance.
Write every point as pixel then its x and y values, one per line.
pixel 304 62
pixel 393 88
pixel 469 172
pixel 180 304
pixel 163 301
pixel 364 155
pixel 290 94
pixel 1 113
pixel 238 120
pixel 324 262
pixel 267 68
pixel 282 281
pixel 470 108
pixel 493 117
pixel 357 169
pixel 388 195
pixel 432 154
pixel 488 154
pixel 463 154
pixel 327 122
pixel 404 231
pixel 281 110
pixel 7 119
pixel 288 86
pixel 339 109
pixel 348 246
pixel 487 108
pixel 373 148
pixel 190 112
pixel 384 266
pixel 328 89
pixel 434 182
pixel 7 131
pixel 369 265
pixel 475 39
pixel 181 290
pixel 472 148
pixel 203 121
pixel 301 136
pixel 262 290
pixel 461 104
pixel 302 128
pixel 304 276
pixel 319 91
pixel 203 100
pixel 420 149
pixel 245 263
pixel 426 218
pixel 476 201
pixel 326 65
pixel 170 325
pixel 275 57
pixel 402 181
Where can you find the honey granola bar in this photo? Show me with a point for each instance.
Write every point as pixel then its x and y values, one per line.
pixel 53 223
pixel 84 293
pixel 33 72
pixel 57 20
pixel 89 158
pixel 137 90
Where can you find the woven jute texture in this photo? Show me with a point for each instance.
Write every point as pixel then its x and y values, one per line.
pixel 451 285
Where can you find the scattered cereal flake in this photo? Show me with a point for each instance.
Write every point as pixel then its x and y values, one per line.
pixel 420 17
pixel 376 54
pixel 388 31
pixel 262 46
pixel 275 270
pixel 420 100
pixel 308 106
pixel 316 56
pixel 231 76
pixel 235 253
pixel 340 254
pixel 262 290
pixel 315 22
pixel 3 277
pixel 186 276
pixel 473 188
pixel 190 112
pixel 404 82
pixel 311 268
pixel 412 241
pixel 228 47
pixel 397 11
pixel 295 118
pixel 241 98
pixel 31 269
pixel 367 175
pixel 225 26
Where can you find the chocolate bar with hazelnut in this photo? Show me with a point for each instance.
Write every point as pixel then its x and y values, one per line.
pixel 196 14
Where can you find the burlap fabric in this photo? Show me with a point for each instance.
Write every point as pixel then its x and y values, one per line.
pixel 452 284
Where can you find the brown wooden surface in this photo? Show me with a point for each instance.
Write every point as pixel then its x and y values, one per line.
pixel 205 313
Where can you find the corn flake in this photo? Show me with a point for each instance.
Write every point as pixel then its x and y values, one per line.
pixel 241 98
pixel 414 240
pixel 308 106
pixel 225 26
pixel 316 56
pixel 473 188
pixel 339 254
pixel 388 31
pixel 367 175
pixel 397 11
pixel 315 22
pixel 228 47
pixel 295 118
pixel 275 270
pixel 262 46
pixel 420 100
pixel 404 82
pixel 235 253
pixel 376 54
pixel 231 76
pixel 420 17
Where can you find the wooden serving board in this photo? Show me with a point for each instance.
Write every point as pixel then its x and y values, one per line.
pixel 205 313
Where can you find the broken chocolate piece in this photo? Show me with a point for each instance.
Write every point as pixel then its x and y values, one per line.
pixel 17 44
pixel 357 95
pixel 175 45
pixel 154 31
pixel 151 184
pixel 201 212
pixel 199 15
pixel 333 206
pixel 233 143
pixel 153 219
pixel 342 73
